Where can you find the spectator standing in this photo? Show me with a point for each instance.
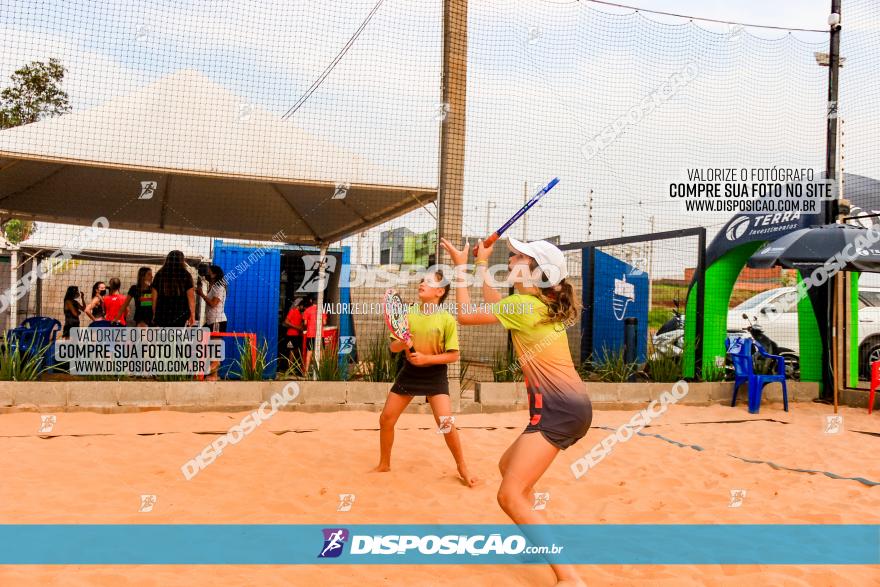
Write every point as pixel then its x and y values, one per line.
pixel 99 290
pixel 142 295
pixel 293 321
pixel 215 299
pixel 114 302
pixel 174 300
pixel 215 302
pixel 74 304
pixel 310 318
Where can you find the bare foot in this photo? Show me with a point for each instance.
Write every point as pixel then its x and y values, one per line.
pixel 382 468
pixel 571 583
pixel 466 477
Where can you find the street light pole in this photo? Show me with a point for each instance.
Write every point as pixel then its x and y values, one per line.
pixel 832 108
pixel 830 364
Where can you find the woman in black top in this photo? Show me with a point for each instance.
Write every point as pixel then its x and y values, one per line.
pixel 142 294
pixel 99 290
pixel 174 299
pixel 72 309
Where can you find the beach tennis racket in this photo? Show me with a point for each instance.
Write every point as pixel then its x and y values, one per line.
pixel 534 200
pixel 395 318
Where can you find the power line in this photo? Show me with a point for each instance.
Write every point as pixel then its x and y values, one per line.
pixel 757 26
pixel 308 93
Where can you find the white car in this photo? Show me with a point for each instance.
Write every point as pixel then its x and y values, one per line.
pixel 783 330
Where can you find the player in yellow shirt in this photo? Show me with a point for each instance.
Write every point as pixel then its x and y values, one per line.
pixel 435 341
pixel 560 411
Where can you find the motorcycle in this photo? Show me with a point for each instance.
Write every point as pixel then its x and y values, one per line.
pixel 756 332
pixel 669 338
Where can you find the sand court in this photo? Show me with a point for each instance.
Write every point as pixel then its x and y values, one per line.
pixel 94 468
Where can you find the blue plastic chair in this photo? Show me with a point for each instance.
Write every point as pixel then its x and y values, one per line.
pixel 740 350
pixel 41 324
pixel 35 333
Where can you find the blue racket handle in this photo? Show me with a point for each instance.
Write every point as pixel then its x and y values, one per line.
pixel 529 204
pixel 534 200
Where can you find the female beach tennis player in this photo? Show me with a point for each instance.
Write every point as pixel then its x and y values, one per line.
pixel 560 412
pixel 435 343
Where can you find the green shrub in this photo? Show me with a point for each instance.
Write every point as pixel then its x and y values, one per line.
pixel 295 369
pixel 612 366
pixel 712 372
pixel 663 366
pixel 506 367
pixel 465 381
pixel 328 368
pixel 250 364
pixel 379 363
pixel 17 364
pixel 584 369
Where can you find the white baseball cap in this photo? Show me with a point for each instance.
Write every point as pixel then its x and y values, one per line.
pixel 550 259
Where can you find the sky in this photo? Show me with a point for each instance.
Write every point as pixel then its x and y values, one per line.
pixel 545 77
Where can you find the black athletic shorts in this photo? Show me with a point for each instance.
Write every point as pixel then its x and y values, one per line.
pixel 562 418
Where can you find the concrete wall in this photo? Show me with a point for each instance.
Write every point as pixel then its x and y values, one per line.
pixel 502 396
pixel 199 396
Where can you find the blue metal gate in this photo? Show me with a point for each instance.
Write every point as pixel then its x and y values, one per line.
pixel 253 276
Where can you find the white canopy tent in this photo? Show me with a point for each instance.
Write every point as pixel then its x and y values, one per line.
pixel 186 156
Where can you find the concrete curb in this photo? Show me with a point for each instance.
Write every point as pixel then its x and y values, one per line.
pixel 329 396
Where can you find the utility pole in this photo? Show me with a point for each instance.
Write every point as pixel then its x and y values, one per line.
pixel 841 149
pixel 832 107
pixel 830 371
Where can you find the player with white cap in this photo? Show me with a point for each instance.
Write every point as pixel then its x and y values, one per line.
pixel 560 411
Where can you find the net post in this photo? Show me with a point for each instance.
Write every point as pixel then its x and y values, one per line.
pixel 588 276
pixel 701 302
pixel 452 132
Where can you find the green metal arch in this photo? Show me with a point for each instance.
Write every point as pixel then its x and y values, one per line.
pixel 720 279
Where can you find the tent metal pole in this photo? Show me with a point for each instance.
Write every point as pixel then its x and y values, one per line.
pixel 13 279
pixel 38 287
pixel 319 326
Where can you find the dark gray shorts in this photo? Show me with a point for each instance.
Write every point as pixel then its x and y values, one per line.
pixel 562 418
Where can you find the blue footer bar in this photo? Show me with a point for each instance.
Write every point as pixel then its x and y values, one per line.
pixel 439 544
